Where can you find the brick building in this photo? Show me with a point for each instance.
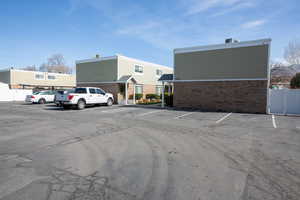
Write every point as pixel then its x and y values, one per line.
pixel 232 77
pixel 120 75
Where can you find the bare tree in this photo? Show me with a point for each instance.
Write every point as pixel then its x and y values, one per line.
pixel 56 63
pixel 292 52
pixel 274 64
pixel 30 68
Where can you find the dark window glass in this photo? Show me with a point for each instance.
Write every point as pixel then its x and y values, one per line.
pixel 80 90
pixel 99 91
pixel 92 91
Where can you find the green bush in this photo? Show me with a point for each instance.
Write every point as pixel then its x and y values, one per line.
pixel 152 96
pixel 295 81
pixel 137 96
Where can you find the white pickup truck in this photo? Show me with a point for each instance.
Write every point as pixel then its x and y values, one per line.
pixel 83 96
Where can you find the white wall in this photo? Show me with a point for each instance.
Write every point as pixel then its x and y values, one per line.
pixel 7 94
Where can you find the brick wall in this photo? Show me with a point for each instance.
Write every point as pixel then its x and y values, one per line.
pixel 112 88
pixel 115 90
pixel 147 89
pixel 230 96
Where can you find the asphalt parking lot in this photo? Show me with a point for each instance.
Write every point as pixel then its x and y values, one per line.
pixel 146 153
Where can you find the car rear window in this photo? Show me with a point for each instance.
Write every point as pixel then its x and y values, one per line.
pixel 80 90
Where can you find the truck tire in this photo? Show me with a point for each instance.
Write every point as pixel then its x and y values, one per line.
pixel 109 102
pixel 42 101
pixel 80 104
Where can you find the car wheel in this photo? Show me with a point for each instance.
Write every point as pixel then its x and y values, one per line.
pixel 109 102
pixel 42 101
pixel 80 104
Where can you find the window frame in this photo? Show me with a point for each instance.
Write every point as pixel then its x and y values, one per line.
pixel 142 86
pixel 50 78
pixel 161 72
pixel 139 71
pixel 39 74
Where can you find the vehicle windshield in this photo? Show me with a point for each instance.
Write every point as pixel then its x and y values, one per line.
pixel 35 92
pixel 80 90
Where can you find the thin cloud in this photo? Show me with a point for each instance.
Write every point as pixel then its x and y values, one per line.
pixel 237 7
pixel 163 34
pixel 198 6
pixel 253 24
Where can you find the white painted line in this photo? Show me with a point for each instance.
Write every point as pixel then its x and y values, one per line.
pixel 223 118
pixel 273 121
pixel 148 113
pixel 180 116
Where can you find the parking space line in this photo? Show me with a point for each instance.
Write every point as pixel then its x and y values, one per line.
pixel 220 120
pixel 148 113
pixel 273 121
pixel 180 116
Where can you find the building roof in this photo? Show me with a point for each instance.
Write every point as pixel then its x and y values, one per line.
pixel 125 79
pixel 116 57
pixel 223 46
pixel 166 77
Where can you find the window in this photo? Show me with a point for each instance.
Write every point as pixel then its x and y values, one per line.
pixel 51 77
pixel 39 76
pixel 99 91
pixel 139 89
pixel 158 72
pixel 92 91
pixel 138 69
pixel 158 90
pixel 80 90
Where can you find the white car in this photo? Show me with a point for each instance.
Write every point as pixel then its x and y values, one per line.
pixel 83 96
pixel 41 97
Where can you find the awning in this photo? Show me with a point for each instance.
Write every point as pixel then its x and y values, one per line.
pixel 166 78
pixel 126 78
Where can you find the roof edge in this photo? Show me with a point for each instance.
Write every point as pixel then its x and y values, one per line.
pixel 249 43
pixel 96 59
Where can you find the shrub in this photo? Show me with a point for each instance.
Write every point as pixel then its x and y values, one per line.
pixel 295 81
pixel 152 96
pixel 137 96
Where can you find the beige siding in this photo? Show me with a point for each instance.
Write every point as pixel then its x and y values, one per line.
pixel 126 66
pixel 20 77
pixel 5 77
pixel 100 71
pixel 242 62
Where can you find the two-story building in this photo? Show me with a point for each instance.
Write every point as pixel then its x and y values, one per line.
pixel 23 79
pixel 233 76
pixel 120 75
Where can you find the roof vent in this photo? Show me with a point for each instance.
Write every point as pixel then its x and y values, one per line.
pixel 230 40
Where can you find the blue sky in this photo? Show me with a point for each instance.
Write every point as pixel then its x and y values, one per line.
pixel 32 30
